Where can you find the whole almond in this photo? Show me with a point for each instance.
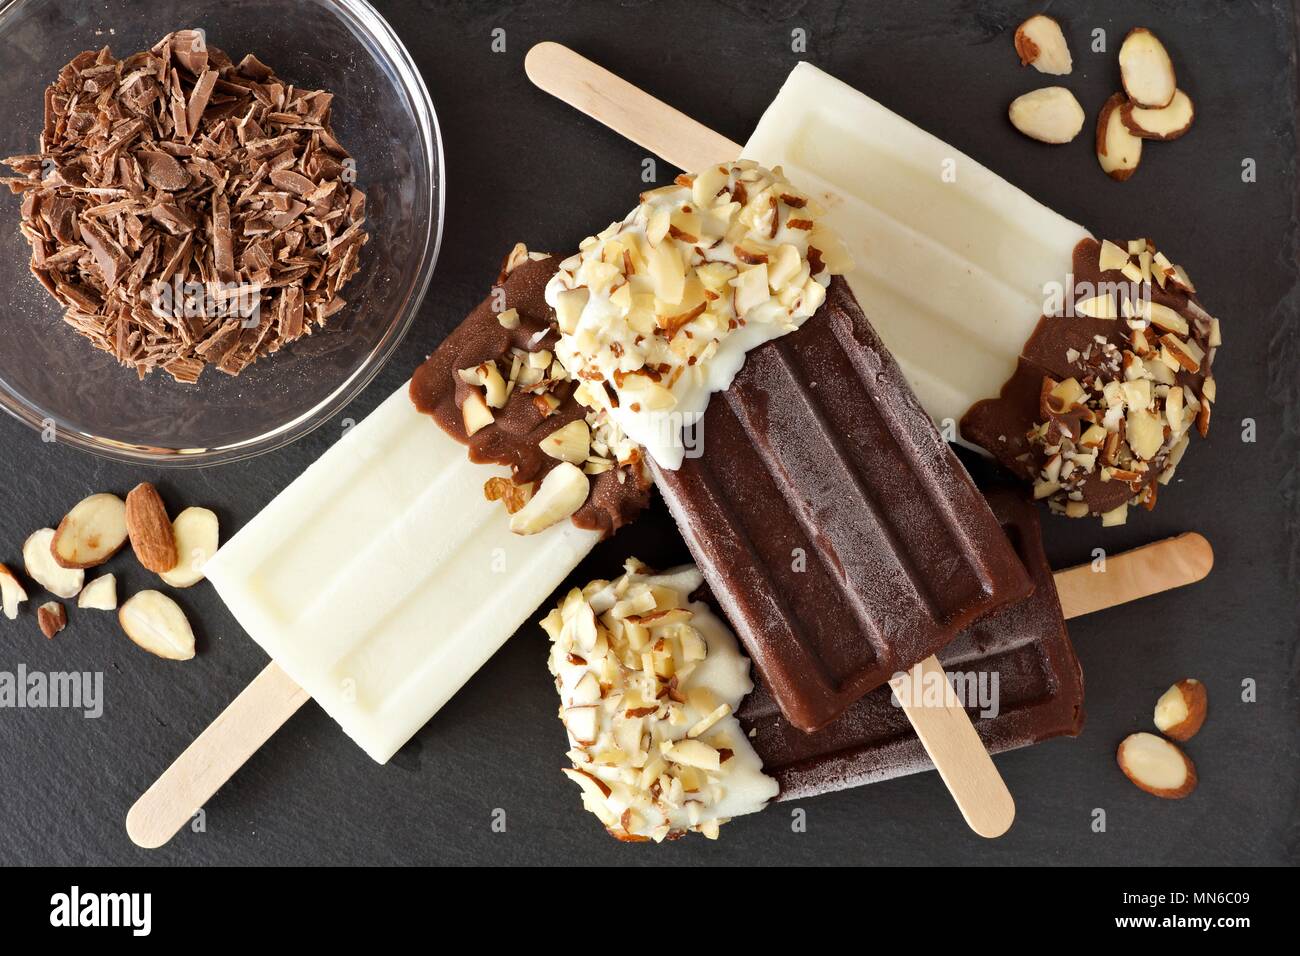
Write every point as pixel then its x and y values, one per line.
pixel 150 529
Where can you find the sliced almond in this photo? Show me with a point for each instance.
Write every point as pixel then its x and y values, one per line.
pixel 1040 43
pixel 156 623
pixel 1115 517
pixel 91 533
pixel 1165 318
pixel 1118 150
pixel 1049 115
pixel 1156 766
pixel 572 443
pixel 693 753
pixel 1145 432
pixel 1181 709
pixel 100 594
pixel 475 413
pixel 12 592
pixel 1111 256
pixel 1168 122
pixel 150 529
pixel 51 617
pixel 197 533
pixel 562 492
pixel 45 571
pixel 1098 307
pixel 592 785
pixel 1146 70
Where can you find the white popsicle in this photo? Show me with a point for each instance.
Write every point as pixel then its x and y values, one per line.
pixel 950 260
pixel 382 578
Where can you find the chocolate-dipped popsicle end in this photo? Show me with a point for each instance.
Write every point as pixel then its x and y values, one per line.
pixel 1109 388
pixel 511 335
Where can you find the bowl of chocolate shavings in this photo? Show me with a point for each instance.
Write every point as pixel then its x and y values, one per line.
pixel 219 220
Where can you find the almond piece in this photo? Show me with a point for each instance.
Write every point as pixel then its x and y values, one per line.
pixel 12 592
pixel 561 493
pixel 52 618
pixel 45 571
pixel 197 534
pixel 1040 43
pixel 150 529
pixel 572 443
pixel 156 623
pixel 1049 115
pixel 1156 766
pixel 1118 150
pixel 1169 122
pixel 1146 70
pixel 475 413
pixel 100 594
pixel 1181 709
pixel 91 533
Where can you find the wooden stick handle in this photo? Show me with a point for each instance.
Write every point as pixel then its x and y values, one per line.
pixel 1147 570
pixel 632 113
pixel 945 729
pixel 184 787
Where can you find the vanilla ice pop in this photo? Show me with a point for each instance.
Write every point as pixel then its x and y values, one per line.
pixel 949 258
pixel 382 578
pixel 385 576
pixel 388 572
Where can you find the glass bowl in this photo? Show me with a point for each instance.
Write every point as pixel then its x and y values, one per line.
pixel 53 379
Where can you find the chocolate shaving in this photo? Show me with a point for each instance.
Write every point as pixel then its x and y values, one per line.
pixel 186 210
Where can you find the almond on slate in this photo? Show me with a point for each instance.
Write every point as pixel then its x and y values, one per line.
pixel 1049 115
pixel 1040 42
pixel 100 594
pixel 1181 709
pixel 1164 124
pixel 52 618
pixel 1146 70
pixel 38 557
pixel 1118 150
pixel 152 537
pixel 1156 766
pixel 156 623
pixel 91 533
pixel 196 532
pixel 12 592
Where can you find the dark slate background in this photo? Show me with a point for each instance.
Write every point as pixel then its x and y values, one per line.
pixel 524 166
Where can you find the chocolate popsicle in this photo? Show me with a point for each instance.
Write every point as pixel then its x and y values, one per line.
pixel 839 534
pixel 1040 688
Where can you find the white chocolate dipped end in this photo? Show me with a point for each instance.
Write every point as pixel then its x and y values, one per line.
pixel 657 312
pixel 649 683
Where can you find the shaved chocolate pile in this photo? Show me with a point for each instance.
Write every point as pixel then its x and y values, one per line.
pixel 187 210
pixel 1108 391
pixel 512 333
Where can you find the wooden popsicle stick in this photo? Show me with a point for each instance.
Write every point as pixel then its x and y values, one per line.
pixel 1150 569
pixel 958 754
pixel 636 115
pixel 214 756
